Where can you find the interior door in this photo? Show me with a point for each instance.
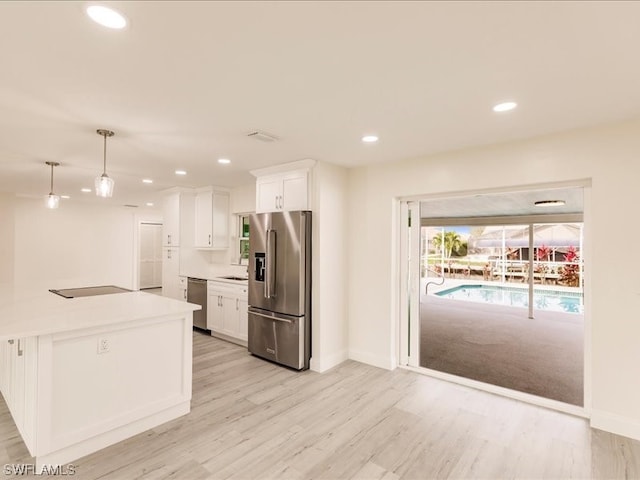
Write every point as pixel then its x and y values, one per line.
pixel 150 255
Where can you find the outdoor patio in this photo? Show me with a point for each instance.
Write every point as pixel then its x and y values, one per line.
pixel 482 330
pixel 500 345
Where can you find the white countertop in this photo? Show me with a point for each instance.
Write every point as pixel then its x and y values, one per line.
pixel 218 278
pixel 28 313
pixel 244 283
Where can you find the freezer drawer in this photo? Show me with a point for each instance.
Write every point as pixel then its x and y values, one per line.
pixel 282 339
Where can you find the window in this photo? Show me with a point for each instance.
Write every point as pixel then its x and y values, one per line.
pixel 243 239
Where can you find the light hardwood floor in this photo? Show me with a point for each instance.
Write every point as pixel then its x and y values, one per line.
pixel 253 419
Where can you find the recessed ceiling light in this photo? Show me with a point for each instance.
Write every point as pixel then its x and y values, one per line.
pixel 549 203
pixel 107 17
pixel 181 172
pixel 147 180
pixel 370 139
pixel 149 204
pixel 224 161
pixel 86 190
pixel 504 107
pixel 66 197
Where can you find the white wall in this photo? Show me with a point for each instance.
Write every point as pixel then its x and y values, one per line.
pixel 6 237
pixel 73 246
pixel 607 155
pixel 329 260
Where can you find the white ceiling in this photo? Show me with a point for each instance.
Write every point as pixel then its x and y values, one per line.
pixel 504 204
pixel 186 82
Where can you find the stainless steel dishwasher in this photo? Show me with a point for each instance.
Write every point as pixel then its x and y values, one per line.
pixel 197 293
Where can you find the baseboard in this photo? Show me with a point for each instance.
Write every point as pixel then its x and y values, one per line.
pixel 230 339
pixel 374 360
pixel 326 362
pixel 74 452
pixel 612 423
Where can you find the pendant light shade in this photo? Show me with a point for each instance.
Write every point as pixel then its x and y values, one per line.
pixel 104 184
pixel 52 200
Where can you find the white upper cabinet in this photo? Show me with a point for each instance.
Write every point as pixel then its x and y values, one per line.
pixel 212 219
pixel 171 220
pixel 284 187
pixel 268 191
pixel 282 192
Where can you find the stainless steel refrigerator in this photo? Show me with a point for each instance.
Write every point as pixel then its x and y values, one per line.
pixel 280 287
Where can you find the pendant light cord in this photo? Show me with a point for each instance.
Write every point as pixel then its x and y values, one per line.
pixel 105 155
pixel 51 190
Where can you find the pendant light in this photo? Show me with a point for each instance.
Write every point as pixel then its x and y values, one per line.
pixel 52 200
pixel 104 184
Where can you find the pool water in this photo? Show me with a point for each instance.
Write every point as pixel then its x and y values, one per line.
pixel 552 300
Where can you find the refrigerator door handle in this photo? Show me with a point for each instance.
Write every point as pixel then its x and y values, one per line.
pixel 270 317
pixel 270 280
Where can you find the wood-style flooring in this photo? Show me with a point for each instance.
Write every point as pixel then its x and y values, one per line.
pixel 252 419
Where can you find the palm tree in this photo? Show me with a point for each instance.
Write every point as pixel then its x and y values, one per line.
pixel 451 241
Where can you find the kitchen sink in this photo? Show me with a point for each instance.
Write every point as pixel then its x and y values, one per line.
pixel 233 277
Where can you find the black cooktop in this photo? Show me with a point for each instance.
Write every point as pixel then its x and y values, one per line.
pixel 89 291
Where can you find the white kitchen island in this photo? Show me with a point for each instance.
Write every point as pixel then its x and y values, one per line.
pixel 82 373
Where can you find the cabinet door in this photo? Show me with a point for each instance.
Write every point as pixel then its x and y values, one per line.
pixel 182 286
pixel 171 220
pixel 204 219
pixel 230 322
pixel 4 367
pixel 170 269
pixel 294 192
pixel 18 386
pixel 215 312
pixel 243 318
pixel 268 194
pixel 220 228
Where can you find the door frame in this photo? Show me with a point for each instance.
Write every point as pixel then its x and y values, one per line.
pixel 135 272
pixel 407 263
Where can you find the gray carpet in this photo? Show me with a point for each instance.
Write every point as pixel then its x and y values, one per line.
pixel 501 346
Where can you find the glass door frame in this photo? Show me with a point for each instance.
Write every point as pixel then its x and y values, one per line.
pixel 407 320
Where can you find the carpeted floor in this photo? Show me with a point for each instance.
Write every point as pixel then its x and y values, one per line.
pixel 501 346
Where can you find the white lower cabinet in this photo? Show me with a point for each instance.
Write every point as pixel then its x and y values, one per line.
pixel 227 310
pixel 171 281
pixel 17 383
pixel 182 282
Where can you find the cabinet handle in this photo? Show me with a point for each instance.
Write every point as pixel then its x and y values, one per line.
pixel 168 239
pixel 280 202
pixel 11 342
pixel 219 301
pixel 184 294
pixel 168 254
pixel 209 240
pixel 20 351
pixel 276 199
pixel 237 304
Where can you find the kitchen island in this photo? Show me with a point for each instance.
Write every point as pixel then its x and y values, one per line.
pixel 80 374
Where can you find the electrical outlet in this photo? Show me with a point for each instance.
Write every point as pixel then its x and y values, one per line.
pixel 104 345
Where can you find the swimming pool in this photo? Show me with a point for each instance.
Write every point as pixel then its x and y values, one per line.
pixel 553 300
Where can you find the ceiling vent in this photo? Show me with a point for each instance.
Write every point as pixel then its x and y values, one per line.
pixel 128 205
pixel 263 137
